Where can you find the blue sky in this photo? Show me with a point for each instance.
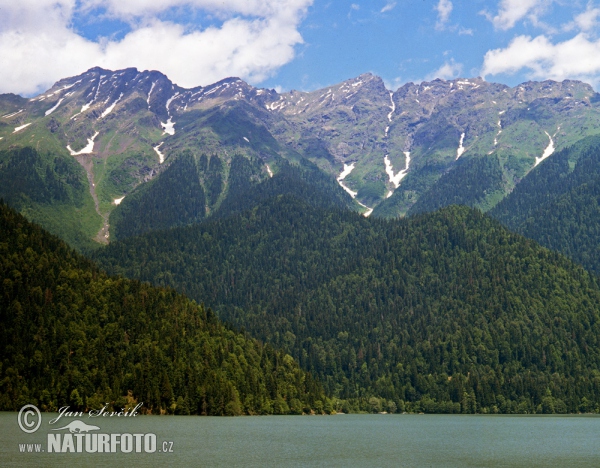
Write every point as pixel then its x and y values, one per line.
pixel 300 44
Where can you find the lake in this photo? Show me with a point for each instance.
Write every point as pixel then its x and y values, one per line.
pixel 336 441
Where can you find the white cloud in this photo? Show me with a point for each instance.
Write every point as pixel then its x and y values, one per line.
pixel 388 7
pixel 39 45
pixel 448 71
pixel 576 58
pixel 588 19
pixel 444 8
pixel 512 11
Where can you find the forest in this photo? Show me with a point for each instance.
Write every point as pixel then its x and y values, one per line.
pixel 558 204
pixel 298 304
pixel 72 335
pixel 440 312
pixel 195 187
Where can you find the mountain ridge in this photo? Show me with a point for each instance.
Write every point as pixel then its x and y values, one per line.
pixel 385 148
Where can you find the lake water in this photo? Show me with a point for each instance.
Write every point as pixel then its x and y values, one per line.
pixel 329 441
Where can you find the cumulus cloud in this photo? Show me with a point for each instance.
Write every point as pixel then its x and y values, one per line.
pixel 444 8
pixel 512 11
pixel 576 58
pixel 448 71
pixel 39 43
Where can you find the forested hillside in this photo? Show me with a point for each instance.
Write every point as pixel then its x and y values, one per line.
pixel 558 204
pixel 191 189
pixel 174 198
pixel 475 182
pixel 50 189
pixel 71 335
pixel 303 180
pixel 441 312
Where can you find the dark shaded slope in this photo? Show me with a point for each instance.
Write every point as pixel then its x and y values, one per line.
pixel 474 182
pixel 189 190
pixel 174 198
pixel 447 311
pixel 304 181
pixel 71 335
pixel 558 204
pixel 51 190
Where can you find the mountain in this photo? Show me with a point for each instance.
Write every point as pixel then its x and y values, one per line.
pixel 395 146
pixel 71 335
pixel 440 312
pixel 558 204
pixel 391 151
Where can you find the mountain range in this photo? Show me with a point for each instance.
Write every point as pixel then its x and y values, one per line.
pixel 318 222
pixel 390 151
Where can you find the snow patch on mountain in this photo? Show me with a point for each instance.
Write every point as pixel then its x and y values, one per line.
pixel 168 127
pixel 18 129
pixel 348 168
pixel 88 149
pixel 499 132
pixel 97 89
pixel 161 157
pixel 397 178
pixel 276 105
pixel 367 213
pixel 392 107
pixel 83 109
pixel 49 111
pixel 8 116
pixel 170 100
pixel 117 201
pixel 67 86
pixel 269 171
pixel 460 150
pixel 150 93
pixel 111 107
pixel 549 149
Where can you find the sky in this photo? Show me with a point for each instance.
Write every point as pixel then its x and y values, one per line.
pixel 300 44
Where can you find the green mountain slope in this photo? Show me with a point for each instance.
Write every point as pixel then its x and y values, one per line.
pixel 71 335
pixel 303 181
pixel 558 204
pixel 174 198
pixel 191 189
pixel 440 312
pixel 51 190
pixel 475 182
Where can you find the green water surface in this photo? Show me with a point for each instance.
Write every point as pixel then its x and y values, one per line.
pixel 336 441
